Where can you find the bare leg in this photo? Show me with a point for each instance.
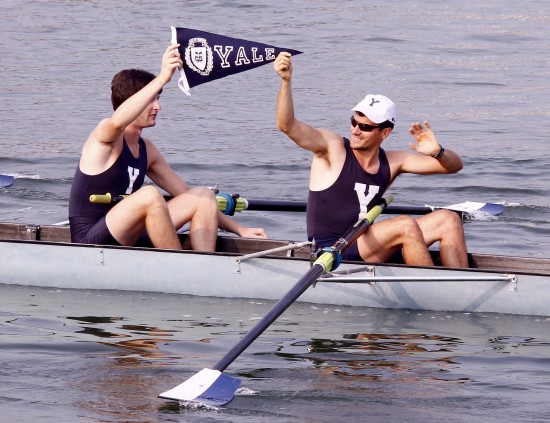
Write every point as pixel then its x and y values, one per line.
pixel 199 206
pixel 389 236
pixel 144 209
pixel 446 227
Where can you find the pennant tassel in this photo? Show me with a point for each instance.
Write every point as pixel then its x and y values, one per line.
pixel 182 81
pixel 207 56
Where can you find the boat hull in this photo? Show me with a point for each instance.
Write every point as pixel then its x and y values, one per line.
pixel 77 266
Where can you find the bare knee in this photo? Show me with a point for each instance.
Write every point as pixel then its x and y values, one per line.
pixel 205 197
pixel 448 221
pixel 150 196
pixel 407 226
pixel 202 192
pixel 442 225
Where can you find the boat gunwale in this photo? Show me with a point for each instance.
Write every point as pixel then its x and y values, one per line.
pixel 298 258
pixel 50 235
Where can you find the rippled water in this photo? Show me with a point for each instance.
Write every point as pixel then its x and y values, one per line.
pixel 105 356
pixel 477 72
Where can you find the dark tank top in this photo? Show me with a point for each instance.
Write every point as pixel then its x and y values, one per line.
pixel 332 211
pixel 125 176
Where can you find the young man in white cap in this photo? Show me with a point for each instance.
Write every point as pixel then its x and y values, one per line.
pixel 348 176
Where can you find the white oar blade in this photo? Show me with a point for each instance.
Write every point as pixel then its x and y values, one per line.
pixel 208 387
pixel 472 207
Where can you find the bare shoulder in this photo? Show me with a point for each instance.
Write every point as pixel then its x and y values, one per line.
pixel 104 133
pixel 154 155
pixel 100 150
pixel 330 143
pixel 327 163
pixel 331 154
pixel 150 145
pixel 331 135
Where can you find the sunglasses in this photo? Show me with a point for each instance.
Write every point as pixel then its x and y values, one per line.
pixel 364 127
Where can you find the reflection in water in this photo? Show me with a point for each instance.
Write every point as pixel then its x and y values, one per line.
pixel 378 357
pixel 95 319
pixel 119 388
pixel 125 382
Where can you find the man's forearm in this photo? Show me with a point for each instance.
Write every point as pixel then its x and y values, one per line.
pixel 285 107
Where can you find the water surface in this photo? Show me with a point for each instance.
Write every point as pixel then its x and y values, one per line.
pixel 476 71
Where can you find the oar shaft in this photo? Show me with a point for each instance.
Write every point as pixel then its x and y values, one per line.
pixel 300 206
pixel 230 204
pixel 311 276
pixel 322 264
pixel 275 205
pixel 265 205
pixel 241 204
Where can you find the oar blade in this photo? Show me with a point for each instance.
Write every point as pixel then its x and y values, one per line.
pixel 491 208
pixel 208 387
pixel 473 207
pixel 6 181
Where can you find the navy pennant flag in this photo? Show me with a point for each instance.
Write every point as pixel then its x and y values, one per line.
pixel 207 56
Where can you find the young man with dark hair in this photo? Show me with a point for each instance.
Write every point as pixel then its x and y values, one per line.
pixel 116 158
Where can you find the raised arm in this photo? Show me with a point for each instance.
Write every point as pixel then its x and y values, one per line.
pixel 307 137
pixel 110 129
pixel 432 157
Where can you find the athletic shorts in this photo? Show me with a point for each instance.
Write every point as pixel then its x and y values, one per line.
pixel 351 253
pixel 90 231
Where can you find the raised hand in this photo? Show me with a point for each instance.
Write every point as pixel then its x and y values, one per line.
pixel 426 142
pixel 171 60
pixel 283 65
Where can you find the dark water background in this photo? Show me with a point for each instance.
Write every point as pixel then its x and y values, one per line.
pixel 477 71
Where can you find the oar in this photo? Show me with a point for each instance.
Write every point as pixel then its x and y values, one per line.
pixel 230 204
pixel 468 209
pixel 5 181
pixel 211 386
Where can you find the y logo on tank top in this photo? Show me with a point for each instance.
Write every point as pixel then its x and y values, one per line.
pixel 133 173
pixel 365 197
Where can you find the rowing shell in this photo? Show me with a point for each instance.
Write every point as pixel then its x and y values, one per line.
pixel 265 269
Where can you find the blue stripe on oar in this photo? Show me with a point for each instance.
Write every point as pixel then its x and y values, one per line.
pixel 491 208
pixel 208 387
pixel 471 208
pixel 221 392
pixel 5 181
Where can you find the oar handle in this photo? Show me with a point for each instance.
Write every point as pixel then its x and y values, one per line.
pixel 101 198
pixel 331 257
pixel 362 224
pixel 106 198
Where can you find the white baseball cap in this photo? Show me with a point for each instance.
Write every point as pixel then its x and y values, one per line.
pixel 377 108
